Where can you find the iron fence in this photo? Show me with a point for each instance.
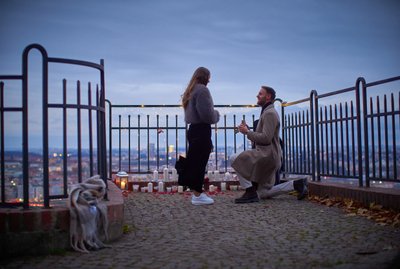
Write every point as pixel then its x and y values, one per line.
pixel 94 105
pixel 350 139
pixel 147 141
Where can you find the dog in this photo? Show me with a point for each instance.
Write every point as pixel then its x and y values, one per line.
pixel 88 215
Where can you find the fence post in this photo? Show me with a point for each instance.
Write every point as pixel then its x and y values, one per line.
pixel 359 139
pixel 361 81
pixel 314 136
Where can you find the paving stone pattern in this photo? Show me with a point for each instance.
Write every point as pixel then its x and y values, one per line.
pixel 168 232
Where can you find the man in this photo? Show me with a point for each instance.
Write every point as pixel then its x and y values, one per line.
pixel 256 168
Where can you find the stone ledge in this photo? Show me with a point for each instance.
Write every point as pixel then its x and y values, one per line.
pixel 388 198
pixel 42 231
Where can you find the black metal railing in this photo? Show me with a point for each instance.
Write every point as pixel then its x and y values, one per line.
pixel 140 141
pixel 94 105
pixel 350 139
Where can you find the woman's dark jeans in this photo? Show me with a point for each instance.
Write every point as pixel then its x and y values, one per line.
pixel 200 146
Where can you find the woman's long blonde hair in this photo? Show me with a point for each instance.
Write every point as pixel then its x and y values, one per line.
pixel 202 76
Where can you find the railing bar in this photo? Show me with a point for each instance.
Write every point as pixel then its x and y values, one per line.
pixel 297 142
pixel 148 143
pixel 386 136
pixel 394 137
pixel 216 146
pixel 65 139
pixel 176 137
pixel 119 143
pixel 226 145
pixel 2 161
pixel 308 142
pixel 375 83
pixel 158 142
pixel 327 140
pixel 372 139
pixel 379 139
pixel 75 62
pixel 81 106
pixel 336 140
pixel 341 136
pixel 321 126
pixel 11 109
pixel 234 134
pixel 139 147
pixel 129 144
pixel 347 139
pixel 353 138
pixel 166 139
pixel 11 77
pixel 303 164
pixel 331 133
pixel 79 132
pixel 90 129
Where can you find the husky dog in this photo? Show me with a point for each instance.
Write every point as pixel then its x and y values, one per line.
pixel 88 215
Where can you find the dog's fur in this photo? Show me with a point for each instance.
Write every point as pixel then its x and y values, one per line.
pixel 88 215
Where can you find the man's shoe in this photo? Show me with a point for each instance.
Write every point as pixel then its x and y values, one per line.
pixel 300 186
pixel 202 199
pixel 248 197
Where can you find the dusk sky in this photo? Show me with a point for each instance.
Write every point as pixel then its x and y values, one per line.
pixel 151 48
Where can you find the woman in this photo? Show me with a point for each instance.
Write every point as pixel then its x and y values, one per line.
pixel 200 114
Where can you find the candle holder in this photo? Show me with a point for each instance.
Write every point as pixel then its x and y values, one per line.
pixel 121 180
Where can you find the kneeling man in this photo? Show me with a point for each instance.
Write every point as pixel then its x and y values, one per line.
pixel 256 168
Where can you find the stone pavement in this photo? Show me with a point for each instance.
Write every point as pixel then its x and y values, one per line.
pixel 168 232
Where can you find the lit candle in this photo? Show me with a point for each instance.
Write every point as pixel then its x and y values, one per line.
pixel 161 186
pixel 166 174
pixel 180 189
pixel 155 175
pixel 150 187
pixel 223 186
pixel 123 184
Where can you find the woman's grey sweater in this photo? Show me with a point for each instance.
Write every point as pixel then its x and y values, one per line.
pixel 201 107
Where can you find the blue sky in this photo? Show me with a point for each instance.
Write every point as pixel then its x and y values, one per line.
pixel 151 48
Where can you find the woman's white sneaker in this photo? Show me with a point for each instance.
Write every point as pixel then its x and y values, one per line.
pixel 202 199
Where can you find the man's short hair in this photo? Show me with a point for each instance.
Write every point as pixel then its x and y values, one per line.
pixel 270 91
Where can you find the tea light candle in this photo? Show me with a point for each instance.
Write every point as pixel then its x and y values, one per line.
pixel 169 189
pixel 227 176
pixel 166 174
pixel 180 189
pixel 211 188
pixel 135 188
pixel 155 175
pixel 123 185
pixel 210 174
pixel 150 187
pixel 161 186
pixel 223 186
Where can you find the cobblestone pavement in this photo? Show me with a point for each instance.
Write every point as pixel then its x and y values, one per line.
pixel 168 232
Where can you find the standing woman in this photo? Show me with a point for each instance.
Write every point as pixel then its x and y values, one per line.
pixel 200 114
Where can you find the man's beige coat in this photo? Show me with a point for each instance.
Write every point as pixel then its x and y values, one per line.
pixel 260 164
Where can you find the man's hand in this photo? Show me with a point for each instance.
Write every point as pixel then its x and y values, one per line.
pixel 243 128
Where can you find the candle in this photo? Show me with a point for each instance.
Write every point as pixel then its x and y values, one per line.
pixel 169 189
pixel 227 176
pixel 211 188
pixel 174 174
pixel 161 186
pixel 166 174
pixel 155 175
pixel 123 185
pixel 135 188
pixel 223 186
pixel 150 187
pixel 174 188
pixel 180 189
pixel 210 174
pixel 216 175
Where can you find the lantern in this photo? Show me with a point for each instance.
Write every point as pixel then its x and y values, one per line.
pixel 121 180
